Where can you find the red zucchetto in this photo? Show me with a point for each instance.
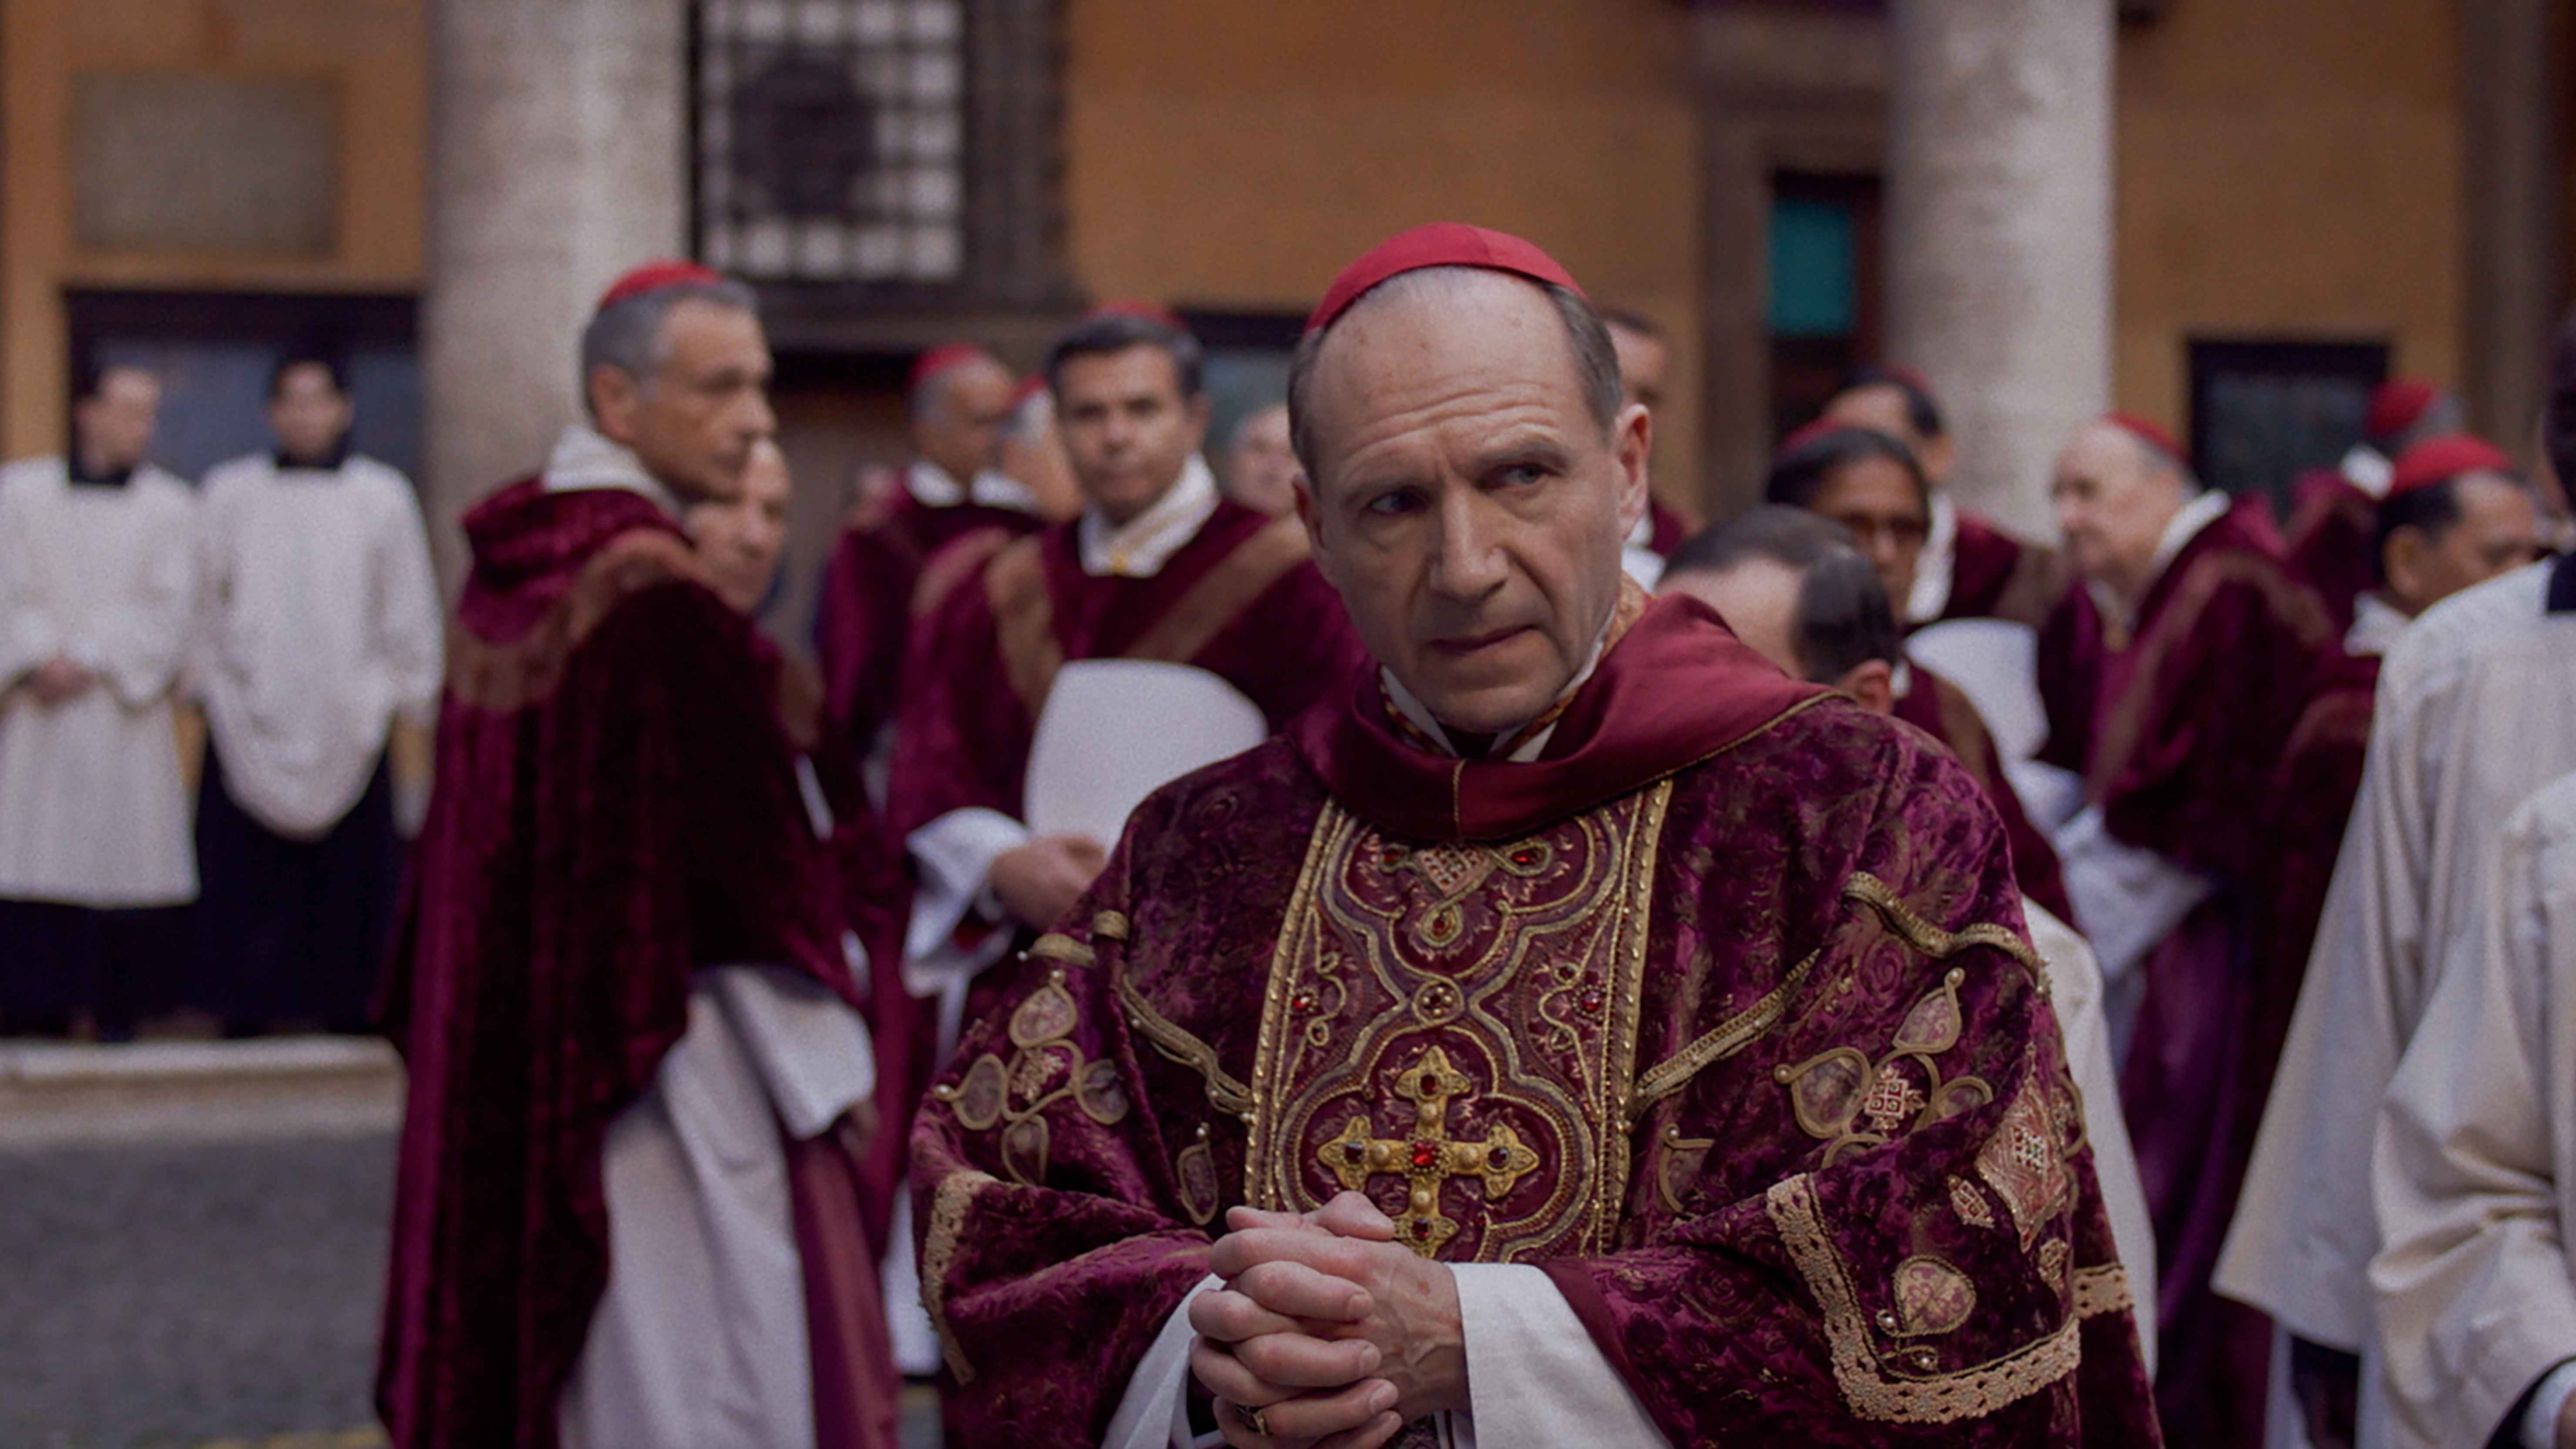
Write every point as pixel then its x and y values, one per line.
pixel 2439 460
pixel 943 358
pixel 1440 244
pixel 653 277
pixel 2147 431
pixel 2398 404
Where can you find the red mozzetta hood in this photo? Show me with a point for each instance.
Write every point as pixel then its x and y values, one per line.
pixel 1675 690
pixel 530 546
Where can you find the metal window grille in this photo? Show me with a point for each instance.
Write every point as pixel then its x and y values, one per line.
pixel 831 139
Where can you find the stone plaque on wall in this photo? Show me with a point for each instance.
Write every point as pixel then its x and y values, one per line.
pixel 166 162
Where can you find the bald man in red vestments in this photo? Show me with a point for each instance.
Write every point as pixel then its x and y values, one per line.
pixel 1572 1032
pixel 960 401
pixel 628 1206
pixel 2207 647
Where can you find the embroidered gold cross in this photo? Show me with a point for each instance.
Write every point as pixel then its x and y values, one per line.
pixel 1428 1157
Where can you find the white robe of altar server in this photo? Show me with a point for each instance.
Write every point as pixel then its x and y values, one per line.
pixel 320 625
pixel 2475 1177
pixel 92 808
pixel 2471 718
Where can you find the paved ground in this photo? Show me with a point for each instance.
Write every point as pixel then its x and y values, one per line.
pixel 195 1288
pixel 171 1294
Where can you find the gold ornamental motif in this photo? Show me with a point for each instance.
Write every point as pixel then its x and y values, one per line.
pixel 1428 1158
pixel 1460 1011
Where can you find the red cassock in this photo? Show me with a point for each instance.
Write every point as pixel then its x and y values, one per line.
pixel 2179 732
pixel 877 580
pixel 1937 707
pixel 1994 575
pixel 2310 804
pixel 1241 600
pixel 617 805
pixel 2332 524
pixel 1719 1013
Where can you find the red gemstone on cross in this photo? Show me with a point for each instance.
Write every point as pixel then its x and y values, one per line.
pixel 1421 1229
pixel 1430 1085
pixel 1425 1154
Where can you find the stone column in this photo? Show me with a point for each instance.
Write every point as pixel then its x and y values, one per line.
pixel 558 158
pixel 2511 98
pixel 1999 231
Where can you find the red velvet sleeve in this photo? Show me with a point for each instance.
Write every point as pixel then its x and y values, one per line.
pixel 962 739
pixel 861 624
pixel 2188 754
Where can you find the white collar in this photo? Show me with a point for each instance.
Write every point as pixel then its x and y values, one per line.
pixel 1937 565
pixel 2367 469
pixel 2376 623
pixel 2180 530
pixel 584 459
pixel 932 487
pixel 1139 548
pixel 1420 717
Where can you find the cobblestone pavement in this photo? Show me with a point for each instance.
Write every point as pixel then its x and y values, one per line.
pixel 204 1296
pixel 172 1294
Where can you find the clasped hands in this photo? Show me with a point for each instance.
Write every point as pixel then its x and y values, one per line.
pixel 1326 1334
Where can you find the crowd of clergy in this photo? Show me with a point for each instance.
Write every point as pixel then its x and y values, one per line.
pixel 1396 940
pixel 204 685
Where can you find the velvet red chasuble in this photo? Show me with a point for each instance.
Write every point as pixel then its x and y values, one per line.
pixel 1720 1013
pixel 617 805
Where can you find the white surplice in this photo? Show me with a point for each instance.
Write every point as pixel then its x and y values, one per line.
pixel 2475 1174
pixel 320 626
pixel 700 1339
pixel 2075 989
pixel 92 808
pixel 2471 718
pixel 1937 565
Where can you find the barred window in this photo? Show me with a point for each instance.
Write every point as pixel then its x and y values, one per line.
pixel 831 140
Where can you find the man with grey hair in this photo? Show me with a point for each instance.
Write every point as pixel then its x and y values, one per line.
pixel 959 404
pixel 1572 1031
pixel 639 1081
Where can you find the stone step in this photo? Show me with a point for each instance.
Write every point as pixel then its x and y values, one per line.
pixel 61 1094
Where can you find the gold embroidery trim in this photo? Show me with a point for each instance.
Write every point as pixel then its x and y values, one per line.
pixel 1322 848
pixel 1054 947
pixel 1731 1036
pixel 947 1222
pixel 2103 1288
pixel 1110 926
pixel 1619 1063
pixel 1224 1092
pixel 1942 1398
pixel 1212 604
pixel 1928 938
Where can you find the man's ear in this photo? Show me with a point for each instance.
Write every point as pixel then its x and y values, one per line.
pixel 614 397
pixel 1198 409
pixel 1873 684
pixel 1632 444
pixel 2402 563
pixel 1938 455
